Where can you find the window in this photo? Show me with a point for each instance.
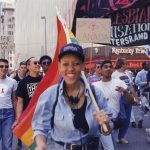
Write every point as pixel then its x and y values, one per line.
pixel 10 32
pixel 9 20
pixel 10 26
pixel 10 65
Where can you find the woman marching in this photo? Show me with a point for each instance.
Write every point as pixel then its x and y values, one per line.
pixel 65 117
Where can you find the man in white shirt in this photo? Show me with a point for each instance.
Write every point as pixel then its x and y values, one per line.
pixel 122 74
pixel 113 89
pixel 8 87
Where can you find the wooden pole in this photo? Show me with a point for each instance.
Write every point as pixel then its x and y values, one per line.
pixel 105 129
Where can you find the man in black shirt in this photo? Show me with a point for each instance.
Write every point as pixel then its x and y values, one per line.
pixel 27 86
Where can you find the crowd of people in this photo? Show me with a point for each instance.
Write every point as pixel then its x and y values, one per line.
pixel 65 117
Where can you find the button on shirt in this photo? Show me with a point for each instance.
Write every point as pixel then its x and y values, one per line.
pixel 64 129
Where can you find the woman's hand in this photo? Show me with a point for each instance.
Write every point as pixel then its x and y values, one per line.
pixel 15 123
pixel 120 89
pixel 42 146
pixel 41 142
pixel 103 120
pixel 101 117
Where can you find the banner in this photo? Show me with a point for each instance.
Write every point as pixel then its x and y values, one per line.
pixel 131 27
pixel 93 30
pixel 130 19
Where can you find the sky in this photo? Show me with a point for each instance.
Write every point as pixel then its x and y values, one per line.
pixel 8 1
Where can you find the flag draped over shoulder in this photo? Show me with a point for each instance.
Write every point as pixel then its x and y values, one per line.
pixel 24 129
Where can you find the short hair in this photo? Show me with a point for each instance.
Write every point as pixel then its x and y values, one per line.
pixel 45 57
pixel 98 63
pixel 4 60
pixel 105 62
pixel 145 63
pixel 22 63
pixel 120 62
pixel 28 60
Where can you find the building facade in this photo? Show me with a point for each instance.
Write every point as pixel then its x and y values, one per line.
pixel 7 31
pixel 35 26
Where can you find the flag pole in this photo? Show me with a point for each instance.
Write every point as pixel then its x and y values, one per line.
pixel 105 127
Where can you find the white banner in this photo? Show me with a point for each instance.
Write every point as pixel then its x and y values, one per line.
pixel 91 30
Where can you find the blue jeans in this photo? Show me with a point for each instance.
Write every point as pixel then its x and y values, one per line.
pixel 125 110
pixel 107 142
pixel 6 121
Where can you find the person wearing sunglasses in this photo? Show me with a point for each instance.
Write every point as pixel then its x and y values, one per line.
pixel 8 100
pixel 27 86
pixel 97 75
pixel 45 62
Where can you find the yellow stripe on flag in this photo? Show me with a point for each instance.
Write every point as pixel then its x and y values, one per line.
pixel 27 137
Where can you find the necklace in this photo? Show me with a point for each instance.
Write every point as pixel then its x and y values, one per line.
pixel 72 99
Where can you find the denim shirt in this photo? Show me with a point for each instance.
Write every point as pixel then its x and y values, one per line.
pixel 64 129
pixel 141 79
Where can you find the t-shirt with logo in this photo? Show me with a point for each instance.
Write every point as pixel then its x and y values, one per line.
pixel 124 77
pixel 26 88
pixel 7 86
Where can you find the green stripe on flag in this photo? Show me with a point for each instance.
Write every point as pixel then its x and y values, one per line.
pixel 32 147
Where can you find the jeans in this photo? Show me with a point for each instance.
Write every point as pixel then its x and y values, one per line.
pixel 107 142
pixel 125 110
pixel 6 121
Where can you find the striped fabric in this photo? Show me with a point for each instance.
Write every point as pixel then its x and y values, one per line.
pixel 24 130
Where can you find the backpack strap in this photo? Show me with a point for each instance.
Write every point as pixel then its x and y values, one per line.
pixel 54 106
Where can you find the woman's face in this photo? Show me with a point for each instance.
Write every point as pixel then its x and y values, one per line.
pixel 70 67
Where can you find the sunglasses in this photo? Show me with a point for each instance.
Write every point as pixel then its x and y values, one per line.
pixel 98 67
pixel 4 66
pixel 36 63
pixel 46 63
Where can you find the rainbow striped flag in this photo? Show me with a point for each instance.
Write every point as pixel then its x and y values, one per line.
pixel 24 129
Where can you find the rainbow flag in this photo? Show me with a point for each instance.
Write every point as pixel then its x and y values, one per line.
pixel 24 129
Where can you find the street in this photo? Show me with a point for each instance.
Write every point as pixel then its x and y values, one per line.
pixel 136 137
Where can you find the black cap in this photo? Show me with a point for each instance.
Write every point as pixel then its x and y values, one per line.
pixel 72 49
